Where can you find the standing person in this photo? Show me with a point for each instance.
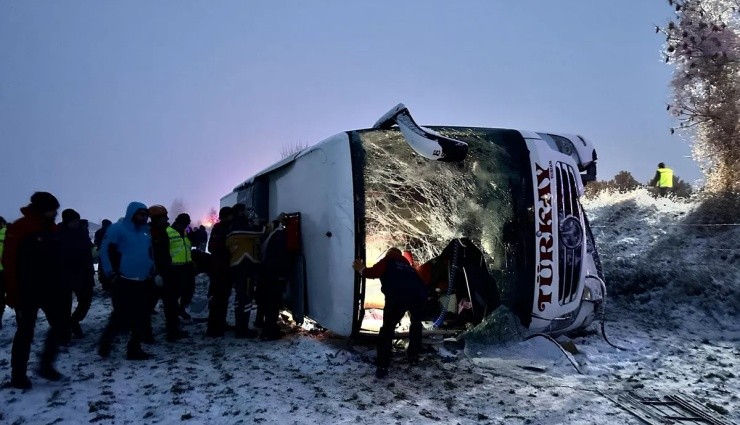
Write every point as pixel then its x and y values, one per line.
pixel 126 257
pixel 32 276
pixel 202 238
pixel 276 270
pixel 182 270
pixel 163 264
pixel 220 288
pixel 663 180
pixel 77 269
pixel 244 244
pixel 404 291
pixel 3 229
pixel 98 242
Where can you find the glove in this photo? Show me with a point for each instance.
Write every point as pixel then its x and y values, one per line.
pixel 158 281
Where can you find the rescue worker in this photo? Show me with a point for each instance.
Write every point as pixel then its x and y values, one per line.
pixel 220 287
pixel 32 263
pixel 3 229
pixel 77 269
pixel 182 271
pixel 98 241
pixel 276 270
pixel 168 291
pixel 404 291
pixel 663 180
pixel 244 244
pixel 126 257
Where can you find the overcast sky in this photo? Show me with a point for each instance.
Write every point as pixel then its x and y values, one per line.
pixel 103 103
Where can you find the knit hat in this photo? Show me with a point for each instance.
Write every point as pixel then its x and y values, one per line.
pixel 157 211
pixel 69 215
pixel 44 201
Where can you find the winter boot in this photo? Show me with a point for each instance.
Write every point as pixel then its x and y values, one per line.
pixel 50 373
pixel 246 333
pixel 104 349
pixel 176 335
pixel 242 325
pixel 381 372
pixel 137 354
pixel 77 329
pixel 20 382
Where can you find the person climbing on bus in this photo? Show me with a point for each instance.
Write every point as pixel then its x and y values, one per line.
pixel 404 291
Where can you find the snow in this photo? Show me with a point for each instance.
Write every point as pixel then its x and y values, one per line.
pixel 677 340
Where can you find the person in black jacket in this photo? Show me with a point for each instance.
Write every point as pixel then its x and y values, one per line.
pixel 220 286
pixel 98 241
pixel 167 290
pixel 276 270
pixel 3 229
pixel 32 263
pixel 404 291
pixel 77 269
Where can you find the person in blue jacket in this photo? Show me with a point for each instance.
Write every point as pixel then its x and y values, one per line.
pixel 126 258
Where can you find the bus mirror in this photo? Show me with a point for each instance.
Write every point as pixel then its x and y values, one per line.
pixel 423 141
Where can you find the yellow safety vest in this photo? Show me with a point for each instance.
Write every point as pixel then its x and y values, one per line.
pixel 666 177
pixel 2 245
pixel 179 247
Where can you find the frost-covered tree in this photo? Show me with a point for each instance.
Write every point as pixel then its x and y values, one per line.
pixel 703 45
pixel 624 181
pixel 681 188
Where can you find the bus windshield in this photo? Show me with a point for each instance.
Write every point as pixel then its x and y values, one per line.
pixel 424 205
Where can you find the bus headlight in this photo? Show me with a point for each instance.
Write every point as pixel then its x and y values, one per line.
pixel 587 296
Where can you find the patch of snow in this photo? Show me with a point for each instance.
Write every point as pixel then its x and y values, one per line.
pixel 676 342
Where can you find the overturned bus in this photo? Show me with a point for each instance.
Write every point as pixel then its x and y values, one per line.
pixel 489 216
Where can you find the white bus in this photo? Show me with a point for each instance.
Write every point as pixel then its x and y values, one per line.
pixel 500 205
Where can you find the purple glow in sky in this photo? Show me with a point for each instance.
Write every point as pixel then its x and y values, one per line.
pixel 103 103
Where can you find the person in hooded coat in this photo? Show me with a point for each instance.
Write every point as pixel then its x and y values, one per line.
pixel 77 269
pixel 32 263
pixel 126 257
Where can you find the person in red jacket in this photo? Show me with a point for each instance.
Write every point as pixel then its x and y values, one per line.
pixel 32 263
pixel 404 291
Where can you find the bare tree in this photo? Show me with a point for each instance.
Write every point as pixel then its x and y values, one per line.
pixel 178 207
pixel 292 149
pixel 212 216
pixel 703 45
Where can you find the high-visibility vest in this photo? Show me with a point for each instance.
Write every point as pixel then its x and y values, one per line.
pixel 666 177
pixel 179 247
pixel 2 245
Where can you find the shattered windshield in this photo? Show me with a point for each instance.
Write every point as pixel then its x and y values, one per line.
pixel 420 204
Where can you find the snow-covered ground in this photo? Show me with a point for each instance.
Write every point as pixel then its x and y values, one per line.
pixel 681 337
